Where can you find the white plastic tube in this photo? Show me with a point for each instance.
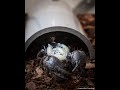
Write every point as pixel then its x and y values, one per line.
pixel 51 13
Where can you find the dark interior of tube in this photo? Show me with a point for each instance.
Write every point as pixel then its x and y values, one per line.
pixel 72 41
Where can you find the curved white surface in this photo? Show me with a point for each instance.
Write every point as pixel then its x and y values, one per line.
pixel 48 13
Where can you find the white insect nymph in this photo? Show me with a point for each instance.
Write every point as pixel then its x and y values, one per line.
pixel 60 51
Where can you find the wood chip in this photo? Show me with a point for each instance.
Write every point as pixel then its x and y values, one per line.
pixel 90 65
pixel 39 71
pixel 31 86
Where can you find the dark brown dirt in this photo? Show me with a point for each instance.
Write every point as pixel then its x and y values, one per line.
pixel 37 79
